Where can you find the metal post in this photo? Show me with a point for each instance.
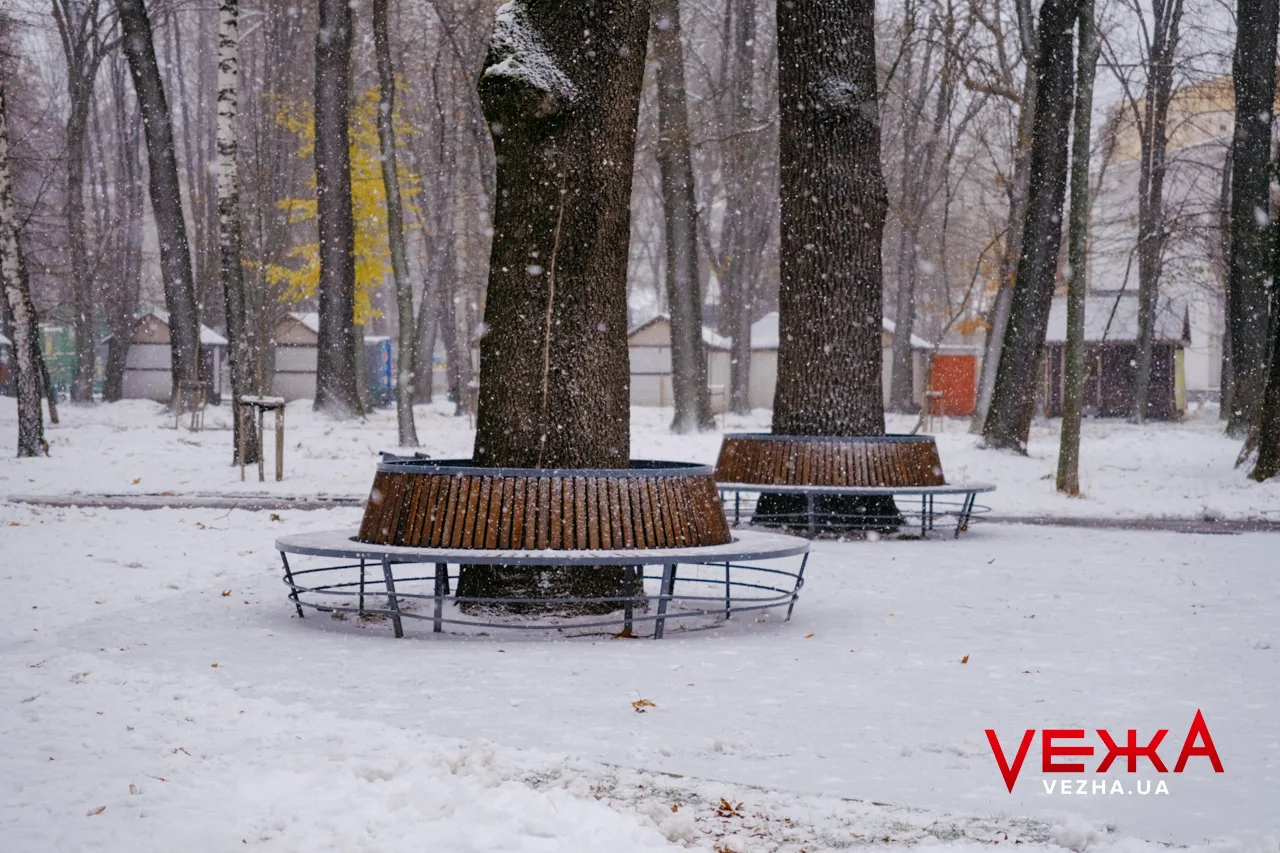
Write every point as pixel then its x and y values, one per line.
pixel 799 583
pixel 664 595
pixel 392 602
pixel 279 444
pixel 728 594
pixel 811 500
pixel 628 607
pixel 240 422
pixel 737 507
pixel 965 509
pixel 362 586
pixel 924 513
pixel 442 589
pixel 288 576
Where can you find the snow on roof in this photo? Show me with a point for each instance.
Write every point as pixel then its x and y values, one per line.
pixel 5 342
pixel 208 337
pixel 310 319
pixel 1114 317
pixel 709 338
pixel 523 55
pixel 892 328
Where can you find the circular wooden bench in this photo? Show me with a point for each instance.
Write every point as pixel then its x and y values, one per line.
pixel 895 466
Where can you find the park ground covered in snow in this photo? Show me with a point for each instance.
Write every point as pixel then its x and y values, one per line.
pixel 160 693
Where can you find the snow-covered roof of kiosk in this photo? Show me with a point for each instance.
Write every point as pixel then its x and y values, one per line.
pixel 1114 317
pixel 208 337
pixel 764 333
pixel 5 342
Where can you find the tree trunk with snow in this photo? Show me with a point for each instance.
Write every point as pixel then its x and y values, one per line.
pixel 166 198
pixel 1013 398
pixel 684 294
pixel 832 217
pixel 1068 479
pixel 1250 269
pixel 406 340
pixel 21 310
pixel 1152 227
pixel 230 269
pixel 561 90
pixel 337 387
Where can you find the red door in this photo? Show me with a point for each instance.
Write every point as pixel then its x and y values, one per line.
pixel 956 377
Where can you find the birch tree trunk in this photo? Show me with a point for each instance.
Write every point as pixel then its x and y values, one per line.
pixel 406 339
pixel 1250 268
pixel 1068 479
pixel 337 385
pixel 684 293
pixel 1013 398
pixel 1166 26
pixel 21 310
pixel 230 268
pixel 166 197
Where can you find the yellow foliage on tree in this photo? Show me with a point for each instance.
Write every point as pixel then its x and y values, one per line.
pixel 368 205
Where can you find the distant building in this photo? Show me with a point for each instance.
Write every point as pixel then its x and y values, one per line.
pixel 1111 357
pixel 6 367
pixel 650 348
pixel 148 366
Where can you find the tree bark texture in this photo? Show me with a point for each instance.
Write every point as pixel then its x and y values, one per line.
pixel 1068 479
pixel 561 91
pixel 1152 228
pixel 26 340
pixel 833 209
pixel 1013 398
pixel 121 297
pixel 166 197
pixel 230 269
pixel 1249 273
pixel 1267 465
pixel 406 361
pixel 337 386
pixel 684 293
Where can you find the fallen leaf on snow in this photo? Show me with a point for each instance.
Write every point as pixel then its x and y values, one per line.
pixel 137 481
pixel 641 704
pixel 964 659
pixel 226 593
pixel 98 810
pixel 807 636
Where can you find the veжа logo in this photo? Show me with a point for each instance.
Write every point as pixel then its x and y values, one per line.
pixel 1052 747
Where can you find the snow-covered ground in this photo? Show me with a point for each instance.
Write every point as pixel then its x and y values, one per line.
pixel 161 694
pixel 1183 470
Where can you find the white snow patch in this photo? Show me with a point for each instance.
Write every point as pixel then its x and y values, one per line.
pixel 524 56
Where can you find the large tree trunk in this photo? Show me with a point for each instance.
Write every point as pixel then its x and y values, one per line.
pixel 1247 303
pixel 337 385
pixel 1267 464
pixel 230 269
pixel 406 340
pixel 1166 24
pixel 166 197
pixel 21 310
pixel 1008 422
pixel 832 217
pixel 1068 479
pixel 684 294
pixel 561 90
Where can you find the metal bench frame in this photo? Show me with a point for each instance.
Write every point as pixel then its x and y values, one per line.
pixel 745 585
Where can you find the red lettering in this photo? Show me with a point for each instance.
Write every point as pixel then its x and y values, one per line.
pixel 1050 750
pixel 1010 774
pixel 1198 731
pixel 1131 751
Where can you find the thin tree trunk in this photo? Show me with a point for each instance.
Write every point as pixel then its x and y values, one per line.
pixel 1253 70
pixel 561 90
pixel 1267 464
pixel 406 340
pixel 833 206
pixel 18 296
pixel 998 319
pixel 166 198
pixel 1068 480
pixel 684 294
pixel 77 245
pixel 337 383
pixel 1013 398
pixel 121 302
pixel 1166 23
pixel 230 268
